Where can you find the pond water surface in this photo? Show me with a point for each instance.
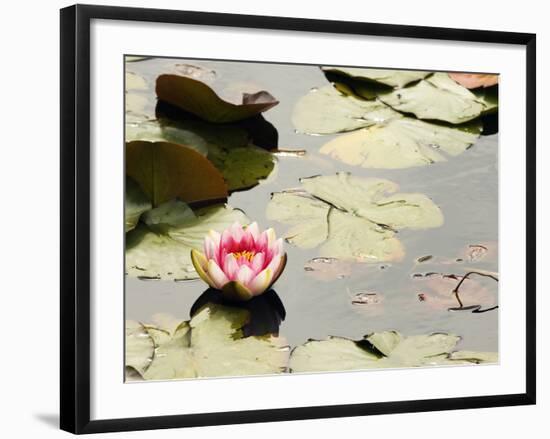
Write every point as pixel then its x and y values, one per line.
pixel 464 187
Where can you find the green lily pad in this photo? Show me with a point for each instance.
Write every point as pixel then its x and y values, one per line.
pixel 135 204
pixel 156 131
pixel 135 107
pixel 228 147
pixel 359 88
pixel 401 143
pixel 133 81
pixel 437 97
pixel 307 216
pixel 134 58
pixel 376 200
pixel 167 170
pixel 200 99
pixel 170 214
pixel 330 355
pixel 244 167
pixel 140 347
pixel 352 218
pixel 489 97
pixel 211 344
pixel 392 78
pixel 387 349
pixel 164 252
pixel 357 238
pixel 327 111
pixel 474 357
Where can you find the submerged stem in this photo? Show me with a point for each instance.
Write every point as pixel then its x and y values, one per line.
pixel 479 273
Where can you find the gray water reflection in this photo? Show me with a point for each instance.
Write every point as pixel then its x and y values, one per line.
pixel 465 188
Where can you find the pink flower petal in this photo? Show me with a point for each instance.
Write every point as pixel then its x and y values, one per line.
pixel 237 232
pixel 261 243
pixel 226 239
pixel 253 230
pixel 241 256
pixel 230 267
pixel 261 282
pixel 245 275
pixel 257 264
pixel 216 274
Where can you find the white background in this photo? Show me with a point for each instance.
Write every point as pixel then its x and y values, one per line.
pixel 29 220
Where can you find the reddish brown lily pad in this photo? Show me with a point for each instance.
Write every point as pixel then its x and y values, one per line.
pixel 484 251
pixel 437 291
pixel 200 99
pixel 370 303
pixel 326 269
pixel 474 80
pixel 167 170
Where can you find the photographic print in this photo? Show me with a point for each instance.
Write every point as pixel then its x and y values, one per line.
pixel 285 218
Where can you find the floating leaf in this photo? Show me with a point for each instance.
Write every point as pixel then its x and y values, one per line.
pixel 135 204
pixel 328 268
pixel 134 82
pixel 132 58
pixel 308 216
pixel 166 170
pixel 489 98
pixel 140 347
pixel 376 200
pixel 436 291
pixel 357 238
pixel 474 357
pixel 368 303
pixel 359 88
pixel 480 252
pixel 437 97
pixel 157 131
pixel 474 80
pixel 211 344
pixel 228 147
pixel 198 98
pixel 131 374
pixel 381 350
pixel 164 253
pixel 135 105
pixel 392 78
pixel 367 298
pixel 170 214
pixel 331 355
pixel 327 111
pixel 266 311
pixel 244 167
pixel 401 143
pixel 196 72
pixel 351 217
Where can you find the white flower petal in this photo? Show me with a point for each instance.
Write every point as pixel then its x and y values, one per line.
pixel 216 274
pixel 261 282
pixel 253 230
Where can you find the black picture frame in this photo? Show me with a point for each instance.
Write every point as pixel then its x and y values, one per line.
pixel 75 217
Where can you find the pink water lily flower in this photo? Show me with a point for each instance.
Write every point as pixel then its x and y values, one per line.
pixel 241 261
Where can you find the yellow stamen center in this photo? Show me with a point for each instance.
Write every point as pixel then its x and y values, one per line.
pixel 248 255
